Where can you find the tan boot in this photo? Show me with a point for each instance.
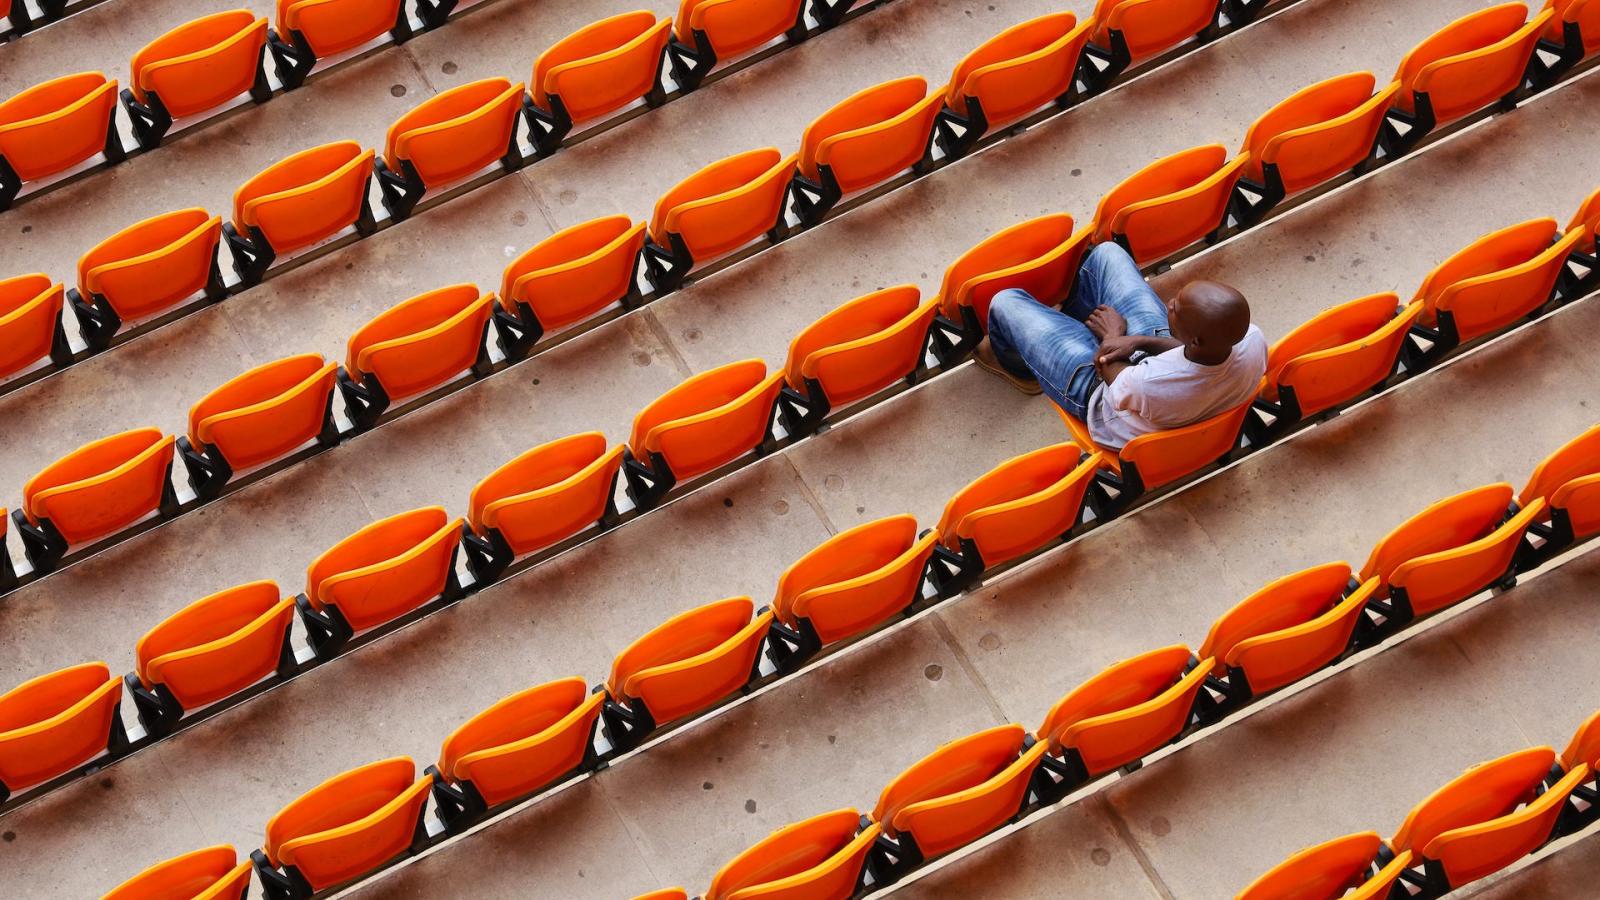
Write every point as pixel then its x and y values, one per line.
pixel 984 357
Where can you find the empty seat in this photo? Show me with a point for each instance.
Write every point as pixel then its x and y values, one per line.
pixel 1584 748
pixel 1466 65
pixel 541 497
pixel 853 352
pixel 683 666
pixel 343 828
pixel 1331 359
pixel 448 137
pixel 715 211
pixel 53 126
pixel 674 893
pixel 1581 15
pixel 1148 27
pixel 864 139
pixel 415 346
pixel 52 724
pixel 30 323
pixel 97 489
pixel 706 31
pixel 1017 71
pixel 598 69
pixel 144 269
pixel 1039 256
pixel 821 857
pixel 1329 870
pixel 1130 709
pixel 385 570
pixel 1170 203
pixel 710 419
pixel 211 649
pixel 960 792
pixel 1568 482
pixel 1449 551
pixel 1486 818
pixel 329 27
pixel 1155 460
pixel 297 202
pixel 851 582
pixel 515 747
pixel 195 67
pixel 214 873
pixel 1285 631
pixel 568 277
pixel 258 417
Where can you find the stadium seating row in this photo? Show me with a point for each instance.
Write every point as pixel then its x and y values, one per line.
pixel 20 17
pixel 355 823
pixel 202 68
pixel 1486 819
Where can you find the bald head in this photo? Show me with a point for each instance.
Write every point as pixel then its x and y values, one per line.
pixel 1209 317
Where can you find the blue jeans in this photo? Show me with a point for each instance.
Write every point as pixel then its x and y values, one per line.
pixel 1054 345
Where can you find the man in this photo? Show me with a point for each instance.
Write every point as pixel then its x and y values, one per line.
pixel 1121 360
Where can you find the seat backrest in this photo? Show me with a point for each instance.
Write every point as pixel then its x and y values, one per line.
pixel 456 133
pixel 30 310
pixel 422 342
pixel 1584 748
pixel 1584 13
pixel 1439 579
pixel 961 791
pixel 725 205
pixel 735 26
pixel 819 857
pixel 1170 203
pixel 1569 479
pixel 603 66
pixel 691 660
pixel 1456 520
pixel 202 63
pixel 1471 62
pixel 102 486
pixel 862 346
pixel 1340 352
pixel 1486 303
pixel 54 722
pixel 53 126
pixel 1485 791
pixel 711 418
pixel 266 412
pixel 217 645
pixel 153 264
pixel 334 26
pixel 1129 709
pixel 1150 26
pixel 1020 69
pixel 306 197
pixel 873 134
pixel 1473 851
pixel 1163 457
pixel 1288 629
pixel 547 493
pixel 1318 131
pixel 1020 504
pixel 1039 256
pixel 1587 218
pixel 523 742
pixel 214 873
pixel 1322 871
pixel 387 568
pixel 575 272
pixel 854 579
pixel 351 823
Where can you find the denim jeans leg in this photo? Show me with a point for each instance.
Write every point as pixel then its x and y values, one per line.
pixel 1032 339
pixel 1110 277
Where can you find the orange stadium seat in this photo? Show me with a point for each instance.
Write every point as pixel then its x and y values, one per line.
pixel 1568 481
pixel 381 572
pixel 1329 870
pixel 566 278
pixel 682 666
pixel 1315 134
pixel 448 137
pixel 1485 819
pixel 1152 461
pixel 706 31
pixel 30 323
pixel 863 140
pixel 715 211
pixel 710 419
pixel 1013 509
pixel 1029 65
pixel 1132 708
pixel 196 67
pixel 415 346
pixel 297 202
pixel 1330 360
pixel 51 127
pixel 847 584
pixel 1170 203
pixel 214 873
pixel 258 417
pixel 1574 29
pixel 821 857
pixel 1453 549
pixel 100 488
pixel 1285 631
pixel 1583 750
pixel 308 30
pixel 596 70
pixel 853 352
pixel 212 648
pixel 1127 31
pixel 515 747
pixel 54 723
pixel 145 269
pixel 343 828
pixel 958 793
pixel 674 893
pixel 540 498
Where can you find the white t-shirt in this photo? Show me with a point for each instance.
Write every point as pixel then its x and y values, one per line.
pixel 1168 390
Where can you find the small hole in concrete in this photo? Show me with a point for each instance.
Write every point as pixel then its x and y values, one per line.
pixel 933 672
pixel 1076 172
pixel 749 806
pixel 1100 856
pixel 27 229
pixel 781 507
pixel 8 837
pixel 536 381
pixel 990 641
pixel 397 90
pixel 107 784
pixel 1160 827
pixel 706 786
pixel 519 218
pixel 449 68
pixel 728 502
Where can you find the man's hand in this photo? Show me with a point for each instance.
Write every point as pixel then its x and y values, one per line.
pixel 1119 348
pixel 1105 323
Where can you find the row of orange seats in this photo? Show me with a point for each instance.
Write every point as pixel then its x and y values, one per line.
pixel 1285 632
pixel 1482 821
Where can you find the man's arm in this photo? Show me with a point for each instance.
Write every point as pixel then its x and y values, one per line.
pixel 1116 352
